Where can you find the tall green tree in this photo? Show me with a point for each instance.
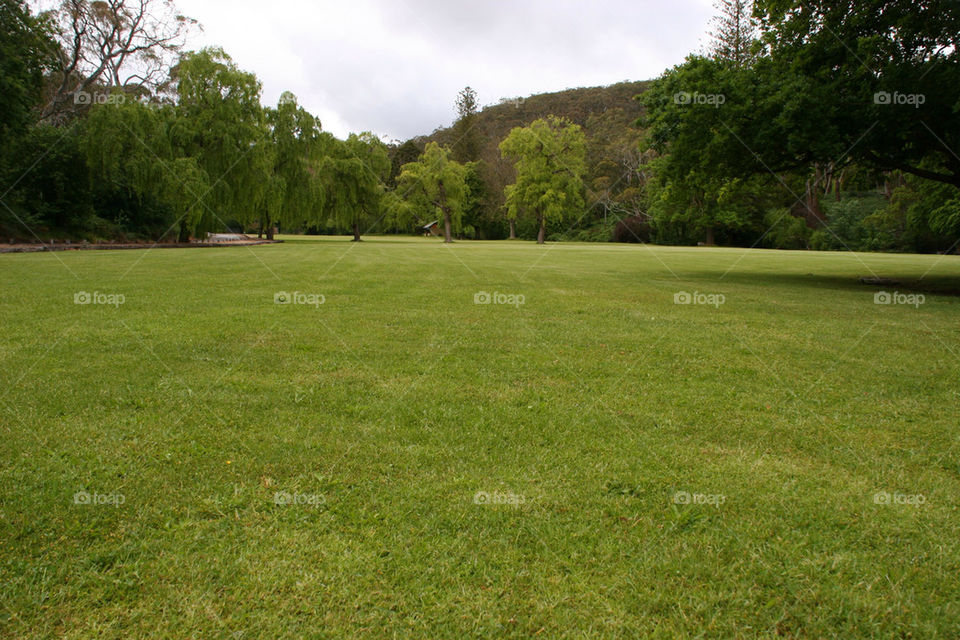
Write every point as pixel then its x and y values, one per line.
pixel 473 203
pixel 466 136
pixel 875 82
pixel 878 80
pixel 550 162
pixel 295 193
pixel 686 112
pixel 26 51
pixel 735 32
pixel 353 173
pixel 436 182
pixel 221 124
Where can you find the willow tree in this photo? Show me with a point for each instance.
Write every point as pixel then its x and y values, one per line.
pixel 550 157
pixel 220 122
pixel 130 156
pixel 352 173
pixel 435 182
pixel 295 193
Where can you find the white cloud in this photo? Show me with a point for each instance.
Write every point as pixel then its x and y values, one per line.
pixel 395 66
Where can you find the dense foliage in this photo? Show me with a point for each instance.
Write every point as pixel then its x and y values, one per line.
pixel 842 115
pixel 825 124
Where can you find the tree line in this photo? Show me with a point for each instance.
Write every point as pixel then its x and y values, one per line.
pixel 825 124
pixel 111 130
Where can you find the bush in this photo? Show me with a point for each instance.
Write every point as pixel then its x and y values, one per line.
pixel 822 241
pixel 785 231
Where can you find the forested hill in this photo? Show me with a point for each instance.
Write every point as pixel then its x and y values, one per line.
pixel 613 104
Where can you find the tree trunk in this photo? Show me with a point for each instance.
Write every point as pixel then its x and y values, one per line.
pixel 356 231
pixel 446 212
pixel 710 241
pixel 813 212
pixel 513 229
pixel 270 231
pixel 543 231
pixel 184 236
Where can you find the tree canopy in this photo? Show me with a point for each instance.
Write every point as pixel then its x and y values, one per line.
pixel 353 173
pixel 550 163
pixel 435 183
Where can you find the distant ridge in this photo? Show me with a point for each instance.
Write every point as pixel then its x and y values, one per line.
pixel 615 101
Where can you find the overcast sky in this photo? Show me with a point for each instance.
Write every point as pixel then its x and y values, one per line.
pixel 394 67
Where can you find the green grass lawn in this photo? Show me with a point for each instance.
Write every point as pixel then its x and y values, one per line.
pixel 400 461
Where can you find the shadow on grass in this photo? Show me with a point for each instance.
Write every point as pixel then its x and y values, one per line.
pixel 942 285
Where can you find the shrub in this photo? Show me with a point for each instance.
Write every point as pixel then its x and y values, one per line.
pixel 785 230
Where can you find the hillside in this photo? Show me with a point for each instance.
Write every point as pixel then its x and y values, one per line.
pixel 615 103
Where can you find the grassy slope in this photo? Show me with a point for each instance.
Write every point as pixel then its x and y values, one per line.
pixel 399 399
